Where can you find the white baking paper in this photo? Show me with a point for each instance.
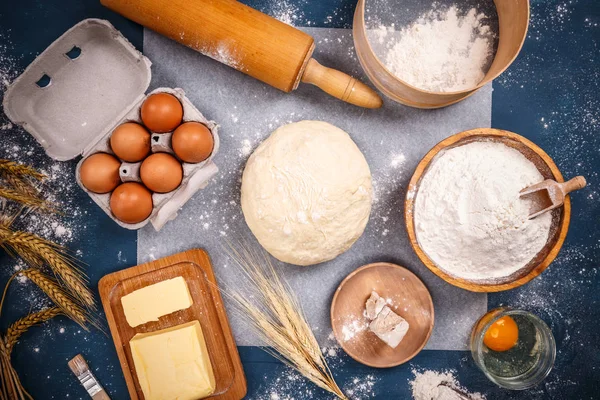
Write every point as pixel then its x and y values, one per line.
pixel 393 140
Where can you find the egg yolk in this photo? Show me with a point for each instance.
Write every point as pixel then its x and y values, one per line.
pixel 502 335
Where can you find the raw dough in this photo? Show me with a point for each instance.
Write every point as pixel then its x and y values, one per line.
pixel 306 192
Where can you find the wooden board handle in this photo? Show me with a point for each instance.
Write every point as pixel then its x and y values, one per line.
pixel 340 85
pixel 576 183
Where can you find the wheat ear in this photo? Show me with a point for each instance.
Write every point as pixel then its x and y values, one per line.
pixel 14 332
pixel 37 251
pixel 66 303
pixel 11 167
pixel 23 198
pixel 278 319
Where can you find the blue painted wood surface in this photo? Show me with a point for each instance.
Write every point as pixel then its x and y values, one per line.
pixel 550 95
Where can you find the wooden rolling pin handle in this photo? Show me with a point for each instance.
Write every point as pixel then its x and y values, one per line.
pixel 340 85
pixel 576 183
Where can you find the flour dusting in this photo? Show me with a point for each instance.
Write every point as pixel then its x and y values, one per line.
pixel 469 217
pixel 443 51
pixel 434 385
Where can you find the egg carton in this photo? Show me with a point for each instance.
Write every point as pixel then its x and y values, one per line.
pixel 85 84
pixel 160 143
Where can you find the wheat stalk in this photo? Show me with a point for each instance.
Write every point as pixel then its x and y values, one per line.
pixel 22 191
pixel 66 303
pixel 23 198
pixel 11 167
pixel 10 384
pixel 20 185
pixel 14 332
pixel 38 251
pixel 276 316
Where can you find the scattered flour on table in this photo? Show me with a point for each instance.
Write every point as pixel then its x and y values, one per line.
pixel 361 387
pixel 352 328
pixel 469 217
pixel 59 188
pixel 426 386
pixel 285 11
pixel 387 182
pixel 441 52
pixel 398 161
pixel 290 385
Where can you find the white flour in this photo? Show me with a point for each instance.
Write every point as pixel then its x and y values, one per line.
pixel 427 385
pixel 468 215
pixel 441 52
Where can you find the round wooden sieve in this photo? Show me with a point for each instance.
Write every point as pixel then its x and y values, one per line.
pixel 513 20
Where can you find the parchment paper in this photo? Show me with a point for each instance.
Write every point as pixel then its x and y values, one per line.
pixel 393 140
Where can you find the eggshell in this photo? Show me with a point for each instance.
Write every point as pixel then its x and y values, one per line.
pixel 99 173
pixel 161 112
pixel 130 142
pixel 192 142
pixel 131 202
pixel 161 172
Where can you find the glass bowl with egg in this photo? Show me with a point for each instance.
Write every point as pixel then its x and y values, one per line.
pixel 515 349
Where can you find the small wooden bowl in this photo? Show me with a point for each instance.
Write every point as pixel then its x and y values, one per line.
pixel 409 298
pixel 560 216
pixel 513 20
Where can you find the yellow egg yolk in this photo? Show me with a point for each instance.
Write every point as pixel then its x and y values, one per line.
pixel 502 335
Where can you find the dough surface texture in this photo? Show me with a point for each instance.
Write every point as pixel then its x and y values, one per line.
pixel 306 192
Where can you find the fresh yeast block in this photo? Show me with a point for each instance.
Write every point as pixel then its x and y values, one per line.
pixel 173 363
pixel 154 301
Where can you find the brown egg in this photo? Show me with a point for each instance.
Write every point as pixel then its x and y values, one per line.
pixel 130 142
pixel 161 172
pixel 161 112
pixel 131 202
pixel 99 173
pixel 192 142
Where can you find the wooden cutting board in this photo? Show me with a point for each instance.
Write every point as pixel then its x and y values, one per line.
pixel 195 267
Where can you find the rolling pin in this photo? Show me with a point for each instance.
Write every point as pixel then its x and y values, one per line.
pixel 247 40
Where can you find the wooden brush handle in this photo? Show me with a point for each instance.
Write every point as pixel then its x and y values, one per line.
pixel 576 183
pixel 340 85
pixel 101 396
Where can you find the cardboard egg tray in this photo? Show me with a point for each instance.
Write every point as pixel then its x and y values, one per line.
pixel 195 176
pixel 85 84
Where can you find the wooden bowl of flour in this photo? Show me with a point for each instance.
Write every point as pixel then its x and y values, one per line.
pixel 513 21
pixel 560 216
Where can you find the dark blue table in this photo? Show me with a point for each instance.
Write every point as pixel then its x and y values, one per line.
pixel 550 95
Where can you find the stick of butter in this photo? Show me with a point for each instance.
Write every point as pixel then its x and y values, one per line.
pixel 154 301
pixel 173 363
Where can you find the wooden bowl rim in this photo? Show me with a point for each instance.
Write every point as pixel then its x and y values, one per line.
pixel 431 313
pixel 562 229
pixel 467 92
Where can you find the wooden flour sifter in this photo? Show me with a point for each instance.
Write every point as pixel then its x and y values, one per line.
pixel 247 40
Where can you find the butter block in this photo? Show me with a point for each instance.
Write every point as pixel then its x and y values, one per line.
pixel 173 363
pixel 157 300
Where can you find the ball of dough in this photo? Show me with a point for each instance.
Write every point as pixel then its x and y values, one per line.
pixel 306 193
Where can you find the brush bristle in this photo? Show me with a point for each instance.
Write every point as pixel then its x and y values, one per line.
pixel 78 365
